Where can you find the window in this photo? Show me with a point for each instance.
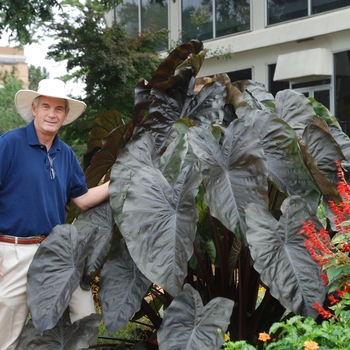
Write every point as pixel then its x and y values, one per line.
pixel 342 89
pixel 243 74
pixel 318 89
pixel 275 86
pixel 286 10
pixel 319 6
pixel 208 19
pixel 138 15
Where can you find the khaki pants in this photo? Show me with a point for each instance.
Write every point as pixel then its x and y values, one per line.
pixel 14 263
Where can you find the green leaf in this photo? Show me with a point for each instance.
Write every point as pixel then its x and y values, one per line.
pixel 281 258
pixel 335 272
pixel 187 324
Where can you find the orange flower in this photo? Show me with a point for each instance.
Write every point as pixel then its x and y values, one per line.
pixel 310 345
pixel 264 336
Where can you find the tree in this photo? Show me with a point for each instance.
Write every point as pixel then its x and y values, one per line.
pixel 9 117
pixel 35 75
pixel 23 17
pixel 107 59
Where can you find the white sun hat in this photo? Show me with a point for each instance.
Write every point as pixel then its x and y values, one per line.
pixel 51 88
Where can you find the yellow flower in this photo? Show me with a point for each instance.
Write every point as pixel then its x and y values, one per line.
pixel 227 337
pixel 310 345
pixel 264 336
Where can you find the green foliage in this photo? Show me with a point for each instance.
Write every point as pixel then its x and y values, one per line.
pixel 9 117
pixel 296 331
pixel 23 17
pixel 35 75
pixel 300 333
pixel 107 59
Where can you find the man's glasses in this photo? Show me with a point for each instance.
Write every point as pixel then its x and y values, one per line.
pixel 52 170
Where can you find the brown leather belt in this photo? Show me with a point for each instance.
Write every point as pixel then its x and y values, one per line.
pixel 22 240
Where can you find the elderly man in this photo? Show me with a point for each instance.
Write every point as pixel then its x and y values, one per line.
pixel 38 175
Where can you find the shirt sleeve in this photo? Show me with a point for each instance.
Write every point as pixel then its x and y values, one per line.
pixel 78 185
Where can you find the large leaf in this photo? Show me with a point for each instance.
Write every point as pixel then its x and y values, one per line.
pixel 100 217
pixel 169 98
pixel 324 151
pixel 172 160
pixel 101 128
pixel 281 258
pixel 295 109
pixel 122 288
pixel 137 154
pixel 175 59
pixel 256 95
pixel 234 174
pixel 55 273
pixel 208 105
pixel 167 107
pixel 64 335
pixel 159 224
pixel 104 159
pixel 286 166
pixel 189 325
pixel 343 141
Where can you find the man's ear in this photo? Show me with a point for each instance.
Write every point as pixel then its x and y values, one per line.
pixel 34 109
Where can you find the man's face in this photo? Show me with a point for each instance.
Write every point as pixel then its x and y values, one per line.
pixel 49 115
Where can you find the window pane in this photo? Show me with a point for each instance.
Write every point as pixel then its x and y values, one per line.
pixel 197 20
pixel 232 16
pixel 275 86
pixel 285 10
pixel 154 17
pixel 322 96
pixel 311 83
pixel 328 5
pixel 342 87
pixel 243 74
pixel 128 14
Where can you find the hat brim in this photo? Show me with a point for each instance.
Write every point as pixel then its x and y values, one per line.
pixel 24 99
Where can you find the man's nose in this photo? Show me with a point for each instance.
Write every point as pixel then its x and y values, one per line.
pixel 51 113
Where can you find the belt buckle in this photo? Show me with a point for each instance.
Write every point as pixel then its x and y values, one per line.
pixel 41 239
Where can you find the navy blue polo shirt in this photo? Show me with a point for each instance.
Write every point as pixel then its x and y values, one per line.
pixel 32 200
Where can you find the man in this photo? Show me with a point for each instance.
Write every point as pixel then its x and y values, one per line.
pixel 38 175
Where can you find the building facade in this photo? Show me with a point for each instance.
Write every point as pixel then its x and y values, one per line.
pixel 298 44
pixel 12 61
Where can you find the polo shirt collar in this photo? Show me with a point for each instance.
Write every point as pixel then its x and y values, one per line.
pixel 33 138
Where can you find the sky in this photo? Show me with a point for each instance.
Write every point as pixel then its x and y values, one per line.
pixel 35 55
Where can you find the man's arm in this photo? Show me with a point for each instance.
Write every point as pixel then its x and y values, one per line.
pixel 92 197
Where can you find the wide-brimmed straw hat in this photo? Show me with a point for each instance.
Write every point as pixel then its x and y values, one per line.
pixel 50 88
